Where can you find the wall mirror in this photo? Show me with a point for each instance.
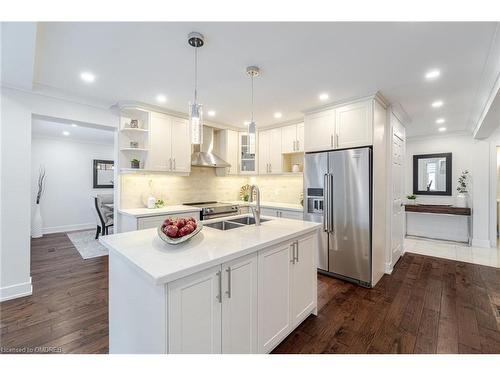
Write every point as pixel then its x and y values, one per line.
pixel 432 174
pixel 103 174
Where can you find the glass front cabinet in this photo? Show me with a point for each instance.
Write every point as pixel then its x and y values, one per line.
pixel 248 154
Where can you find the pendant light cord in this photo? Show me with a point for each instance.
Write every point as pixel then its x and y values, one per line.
pixel 252 97
pixel 195 74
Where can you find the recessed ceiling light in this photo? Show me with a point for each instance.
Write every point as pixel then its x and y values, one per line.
pixel 442 129
pixel 87 77
pixel 74 125
pixel 277 115
pixel 160 98
pixel 211 113
pixel 432 74
pixel 440 121
pixel 437 104
pixel 66 133
pixel 324 96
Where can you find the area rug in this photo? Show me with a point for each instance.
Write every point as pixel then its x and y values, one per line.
pixel 87 245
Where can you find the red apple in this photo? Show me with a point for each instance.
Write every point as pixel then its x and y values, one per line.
pixel 185 230
pixel 192 223
pixel 171 231
pixel 180 223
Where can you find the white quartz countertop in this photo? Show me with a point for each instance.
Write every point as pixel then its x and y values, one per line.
pixel 280 206
pixel 163 263
pixel 167 210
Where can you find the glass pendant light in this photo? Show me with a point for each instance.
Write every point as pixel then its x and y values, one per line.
pixel 196 40
pixel 252 71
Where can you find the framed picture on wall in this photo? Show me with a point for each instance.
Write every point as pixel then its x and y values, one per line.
pixel 103 171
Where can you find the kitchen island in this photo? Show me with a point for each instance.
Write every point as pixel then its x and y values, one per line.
pixel 241 290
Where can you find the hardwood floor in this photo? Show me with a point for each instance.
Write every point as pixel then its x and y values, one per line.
pixel 427 305
pixel 68 311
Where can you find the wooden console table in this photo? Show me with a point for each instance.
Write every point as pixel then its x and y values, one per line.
pixel 443 210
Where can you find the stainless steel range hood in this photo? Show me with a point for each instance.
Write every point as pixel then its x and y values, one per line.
pixel 204 155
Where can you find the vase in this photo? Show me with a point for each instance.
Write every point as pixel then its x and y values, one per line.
pixel 36 223
pixel 461 200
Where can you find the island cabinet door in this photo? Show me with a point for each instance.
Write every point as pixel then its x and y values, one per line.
pixel 239 306
pixel 303 275
pixel 274 296
pixel 194 313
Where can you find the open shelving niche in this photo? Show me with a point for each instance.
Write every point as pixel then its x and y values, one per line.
pixel 128 134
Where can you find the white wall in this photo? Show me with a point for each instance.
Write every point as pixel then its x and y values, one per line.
pixel 467 153
pixel 15 158
pixel 66 204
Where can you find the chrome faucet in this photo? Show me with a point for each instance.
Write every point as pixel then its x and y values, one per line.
pixel 256 209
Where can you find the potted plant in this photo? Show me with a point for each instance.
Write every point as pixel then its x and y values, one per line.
pixel 462 188
pixel 412 199
pixel 134 163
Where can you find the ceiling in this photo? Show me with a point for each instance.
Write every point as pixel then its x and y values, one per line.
pixel 79 133
pixel 298 61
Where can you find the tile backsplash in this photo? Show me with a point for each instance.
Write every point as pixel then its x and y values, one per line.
pixel 203 185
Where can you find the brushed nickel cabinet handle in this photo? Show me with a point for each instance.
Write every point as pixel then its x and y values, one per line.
pixel 292 245
pixel 228 292
pixel 331 140
pixel 219 297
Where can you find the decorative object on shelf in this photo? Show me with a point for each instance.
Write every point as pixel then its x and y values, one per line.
pixel 103 171
pixel 37 222
pixel 295 168
pixel 151 202
pixel 301 199
pixel 134 124
pixel 196 40
pixel 412 199
pixel 178 230
pixel 462 188
pixel 135 164
pixel 134 144
pixel 252 72
pixel 159 203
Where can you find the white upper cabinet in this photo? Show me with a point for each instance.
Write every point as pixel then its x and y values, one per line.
pixel 354 125
pixel 170 144
pixel 194 313
pixel 300 137
pixel 292 138
pixel 160 150
pixel 344 126
pixel 247 153
pixel 270 151
pixel 319 131
pixel 181 145
pixel 239 306
pixel 232 151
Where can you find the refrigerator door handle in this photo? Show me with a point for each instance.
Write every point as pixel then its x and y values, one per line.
pixel 330 204
pixel 326 226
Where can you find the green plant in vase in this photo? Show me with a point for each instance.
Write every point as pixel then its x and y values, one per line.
pixel 412 199
pixel 135 163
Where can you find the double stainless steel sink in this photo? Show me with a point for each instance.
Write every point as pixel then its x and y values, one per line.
pixel 234 223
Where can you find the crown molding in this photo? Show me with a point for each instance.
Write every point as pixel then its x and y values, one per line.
pixel 374 96
pixel 458 133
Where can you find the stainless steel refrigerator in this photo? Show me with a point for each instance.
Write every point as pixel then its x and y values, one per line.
pixel 337 188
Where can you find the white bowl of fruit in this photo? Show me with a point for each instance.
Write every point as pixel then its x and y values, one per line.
pixel 178 230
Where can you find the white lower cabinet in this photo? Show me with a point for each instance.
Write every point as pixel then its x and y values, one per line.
pixel 239 305
pixel 248 305
pixel 194 313
pixel 274 296
pixel 287 214
pixel 287 290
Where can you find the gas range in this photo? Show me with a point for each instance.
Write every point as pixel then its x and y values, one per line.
pixel 213 209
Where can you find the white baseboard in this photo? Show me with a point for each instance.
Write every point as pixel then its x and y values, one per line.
pixel 69 228
pixel 388 268
pixel 16 291
pixel 481 243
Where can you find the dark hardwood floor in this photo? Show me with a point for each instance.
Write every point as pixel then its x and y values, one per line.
pixel 68 310
pixel 427 305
